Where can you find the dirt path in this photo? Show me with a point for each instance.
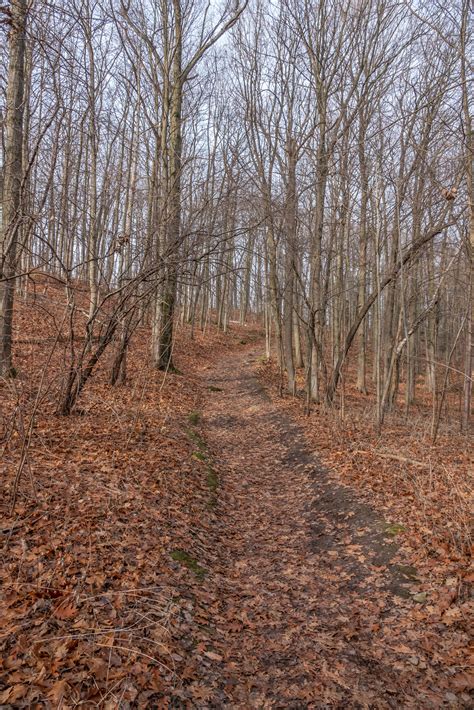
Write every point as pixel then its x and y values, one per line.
pixel 306 586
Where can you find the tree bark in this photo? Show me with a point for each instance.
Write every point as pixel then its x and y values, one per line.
pixel 11 218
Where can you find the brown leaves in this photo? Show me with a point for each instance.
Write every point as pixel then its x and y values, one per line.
pixel 213 656
pixel 57 692
pixel 449 193
pixel 400 636
pixel 12 694
pixel 463 681
pixel 92 594
pixel 201 693
pixel 97 612
pixel 66 610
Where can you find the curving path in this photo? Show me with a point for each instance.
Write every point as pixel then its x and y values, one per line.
pixel 308 596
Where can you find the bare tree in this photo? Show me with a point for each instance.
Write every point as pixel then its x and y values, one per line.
pixel 11 215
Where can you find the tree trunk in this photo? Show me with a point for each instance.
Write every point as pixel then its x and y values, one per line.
pixel 469 157
pixel 11 217
pixel 290 227
pixel 361 356
pixel 164 360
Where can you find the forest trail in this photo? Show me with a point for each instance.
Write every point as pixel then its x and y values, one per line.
pixel 305 581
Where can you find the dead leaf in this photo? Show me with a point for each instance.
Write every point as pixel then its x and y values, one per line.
pixel 57 691
pixel 65 611
pixel 463 681
pixel 213 656
pixel 13 693
pixel 420 597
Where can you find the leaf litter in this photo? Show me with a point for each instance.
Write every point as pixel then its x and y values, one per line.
pixel 306 601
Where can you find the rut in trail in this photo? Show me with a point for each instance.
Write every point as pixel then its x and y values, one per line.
pixel 305 583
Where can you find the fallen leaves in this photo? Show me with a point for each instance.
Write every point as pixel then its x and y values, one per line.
pixel 13 693
pixel 57 692
pixel 66 610
pixel 423 637
pixel 213 656
pixel 463 681
pixel 87 579
pixel 105 597
pixel 420 597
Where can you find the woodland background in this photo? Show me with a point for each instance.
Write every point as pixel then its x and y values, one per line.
pixel 181 178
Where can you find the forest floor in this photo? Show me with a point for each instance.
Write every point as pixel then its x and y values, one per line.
pixel 194 541
pixel 317 605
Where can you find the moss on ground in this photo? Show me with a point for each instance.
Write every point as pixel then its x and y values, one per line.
pixel 202 454
pixel 197 439
pixel 212 479
pixel 394 529
pixel 190 562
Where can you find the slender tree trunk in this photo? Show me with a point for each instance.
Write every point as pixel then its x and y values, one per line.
pixel 164 358
pixel 288 305
pixel 316 259
pixel 11 218
pixel 469 158
pixel 361 357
